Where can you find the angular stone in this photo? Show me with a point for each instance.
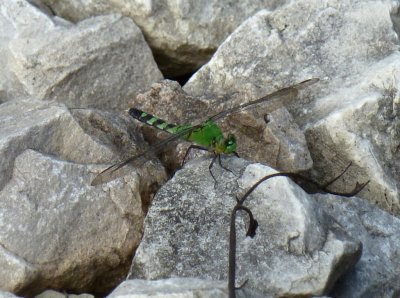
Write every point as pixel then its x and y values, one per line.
pixel 173 288
pixel 4 294
pixel 183 35
pixel 377 272
pixel 64 228
pixel 56 230
pixel 55 294
pixel 100 62
pixel 362 128
pixel 297 250
pixel 15 272
pixel 346 120
pixel 300 40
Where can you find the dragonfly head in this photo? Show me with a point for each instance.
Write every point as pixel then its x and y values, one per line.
pixel 230 144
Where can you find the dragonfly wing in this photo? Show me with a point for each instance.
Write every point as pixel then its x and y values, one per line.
pixel 114 172
pixel 292 90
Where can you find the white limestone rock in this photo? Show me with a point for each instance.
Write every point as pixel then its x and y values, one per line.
pixel 56 230
pixel 183 35
pixel 377 272
pixel 352 115
pixel 170 288
pixel 100 62
pixel 363 128
pixel 297 249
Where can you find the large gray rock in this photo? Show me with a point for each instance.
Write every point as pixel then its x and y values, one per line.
pixel 297 249
pixel 55 229
pixel 364 128
pixel 377 273
pixel 350 116
pixel 300 40
pixel 13 24
pixel 183 35
pixel 99 62
pixel 55 294
pixel 72 234
pixel 170 288
pixel 4 294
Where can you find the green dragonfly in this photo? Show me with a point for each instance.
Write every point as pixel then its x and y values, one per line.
pixel 205 136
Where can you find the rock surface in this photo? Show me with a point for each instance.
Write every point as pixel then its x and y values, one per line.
pixel 377 272
pixel 54 294
pixel 297 249
pixel 4 294
pixel 300 40
pixel 58 232
pixel 364 130
pixel 170 288
pixel 56 229
pixel 183 35
pixel 99 62
pixel 353 114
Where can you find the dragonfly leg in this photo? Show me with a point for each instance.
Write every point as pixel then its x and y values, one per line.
pixel 220 164
pixel 210 167
pixel 192 146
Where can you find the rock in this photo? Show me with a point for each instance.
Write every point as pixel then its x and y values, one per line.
pixel 13 24
pixel 4 294
pixel 51 129
pixel 297 250
pixel 99 62
pixel 377 272
pixel 70 232
pixel 183 35
pixel 55 229
pixel 352 115
pixel 173 287
pixel 280 144
pixel 15 272
pixel 300 40
pixel 363 129
pixel 55 294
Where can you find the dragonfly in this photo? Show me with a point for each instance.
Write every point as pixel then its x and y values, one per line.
pixel 204 136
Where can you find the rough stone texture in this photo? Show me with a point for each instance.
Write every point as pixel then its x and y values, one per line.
pixel 4 294
pixel 54 294
pixel 363 129
pixel 183 35
pixel 56 230
pixel 51 129
pixel 280 144
pixel 170 288
pixel 377 273
pixel 99 62
pixel 72 233
pixel 297 249
pixel 15 272
pixel 13 23
pixel 334 39
pixel 351 120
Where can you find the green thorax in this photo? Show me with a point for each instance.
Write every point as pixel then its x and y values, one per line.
pixel 209 135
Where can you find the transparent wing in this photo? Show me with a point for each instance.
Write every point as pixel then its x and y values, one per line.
pixel 111 172
pixel 288 91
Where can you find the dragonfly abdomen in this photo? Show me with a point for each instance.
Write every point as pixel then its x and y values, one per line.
pixel 155 121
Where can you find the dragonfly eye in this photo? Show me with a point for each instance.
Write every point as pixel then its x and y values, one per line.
pixel 230 143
